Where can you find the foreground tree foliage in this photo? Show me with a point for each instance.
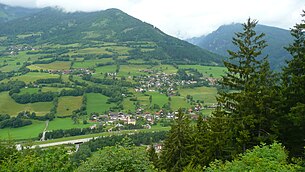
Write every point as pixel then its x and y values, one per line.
pixel 261 158
pixel 176 151
pixel 124 157
pixel 292 117
pixel 38 160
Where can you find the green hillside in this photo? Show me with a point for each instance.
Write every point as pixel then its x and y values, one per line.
pixel 220 41
pixel 57 27
pixel 8 13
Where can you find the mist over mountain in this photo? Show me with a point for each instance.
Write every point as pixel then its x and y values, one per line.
pixel 8 13
pixel 220 41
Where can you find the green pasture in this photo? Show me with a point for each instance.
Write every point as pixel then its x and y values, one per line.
pixel 43 89
pixel 33 76
pixel 143 100
pixel 57 65
pixel 129 105
pixel 132 70
pixel 9 106
pixel 65 78
pixel 121 50
pixel 66 123
pixel 53 89
pixel 100 50
pixel 207 71
pixel 22 133
pixel 97 103
pixel 157 98
pixel 100 71
pixel 207 94
pixel 67 104
pixel 12 62
pixel 178 102
pixel 168 69
pixel 91 63
pixel 29 90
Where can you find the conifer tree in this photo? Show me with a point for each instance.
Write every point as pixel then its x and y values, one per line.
pixel 175 153
pixel 199 143
pixel 293 118
pixel 244 108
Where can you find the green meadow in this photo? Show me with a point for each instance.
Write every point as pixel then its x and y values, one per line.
pixel 97 103
pixel 26 132
pixel 207 94
pixel 66 123
pixel 179 102
pixel 157 98
pixel 91 63
pixel 33 76
pixel 67 104
pixel 9 106
pixel 57 65
pixel 207 71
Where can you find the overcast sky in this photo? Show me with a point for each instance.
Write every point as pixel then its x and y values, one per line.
pixel 188 18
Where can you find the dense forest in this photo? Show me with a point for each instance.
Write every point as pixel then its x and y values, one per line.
pixel 258 123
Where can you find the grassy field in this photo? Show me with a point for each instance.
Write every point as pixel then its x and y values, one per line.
pixel 43 89
pixel 143 100
pixel 207 94
pixel 129 105
pixel 97 103
pixel 157 98
pixel 29 90
pixel 207 71
pixel 91 63
pixel 57 65
pixel 179 102
pixel 33 76
pixel 65 123
pixel 14 62
pixel 101 50
pixel 168 69
pixel 26 132
pixel 100 71
pixel 53 89
pixel 67 104
pixel 9 106
pixel 132 70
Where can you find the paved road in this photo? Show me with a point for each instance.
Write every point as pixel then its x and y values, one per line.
pixel 63 143
pixel 19 147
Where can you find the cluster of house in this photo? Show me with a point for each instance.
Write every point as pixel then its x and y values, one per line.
pixel 80 71
pixel 120 117
pixel 15 49
pixel 158 82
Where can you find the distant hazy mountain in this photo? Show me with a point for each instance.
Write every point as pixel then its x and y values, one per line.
pixel 51 25
pixel 220 41
pixel 10 13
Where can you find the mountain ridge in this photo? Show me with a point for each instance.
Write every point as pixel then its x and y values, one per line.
pixel 220 41
pixel 112 25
